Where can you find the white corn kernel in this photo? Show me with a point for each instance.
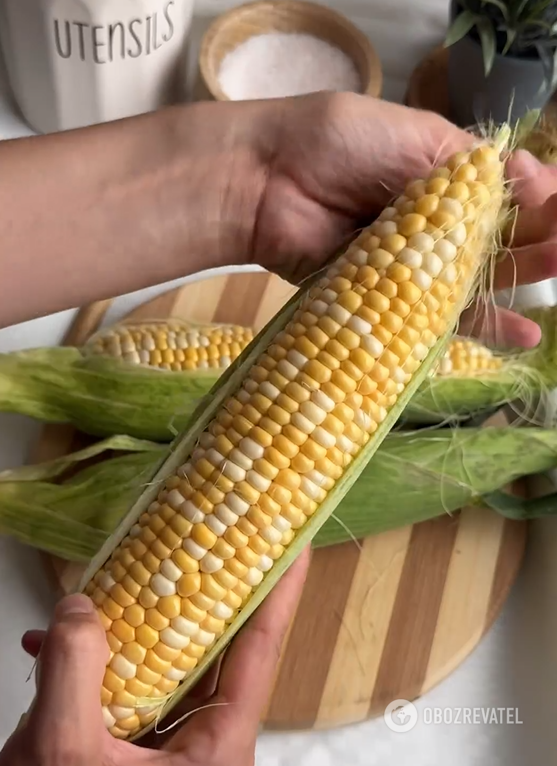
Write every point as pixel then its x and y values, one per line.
pixel 312 412
pixel 123 668
pixel 259 482
pixel 422 242
pixel 175 499
pixel 265 563
pixel 224 514
pixel 215 524
pixel 211 563
pixel 237 504
pixel 233 471
pixel 322 400
pixel 432 264
pixel 251 448
pixel 221 611
pixel 241 459
pixel 324 438
pixel 339 314
pixel 421 279
pixel 186 628
pixel 302 423
pixel 318 308
pixel 420 351
pixel 410 257
pixel 121 712
pixel 191 513
pixel 193 549
pixel 457 235
pixel 287 369
pixel 170 570
pixel 271 535
pixel 297 359
pixel 253 577
pixel 108 718
pixel 268 390
pixel 161 586
pixel 203 638
pixel 445 250
pixel 373 346
pixel 359 325
pixel 173 639
pixel 173 674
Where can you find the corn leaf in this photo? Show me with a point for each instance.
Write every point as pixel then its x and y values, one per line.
pixel 51 469
pixel 417 476
pixel 106 397
pixel 413 477
pixel 521 509
pixel 98 395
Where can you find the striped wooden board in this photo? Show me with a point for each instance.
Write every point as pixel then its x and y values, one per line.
pixel 385 618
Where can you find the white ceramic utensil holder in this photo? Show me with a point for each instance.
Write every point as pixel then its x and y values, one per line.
pixel 72 63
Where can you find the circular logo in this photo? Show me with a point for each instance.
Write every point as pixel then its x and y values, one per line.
pixel 400 715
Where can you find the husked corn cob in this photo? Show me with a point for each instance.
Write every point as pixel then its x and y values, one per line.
pixel 173 344
pixel 285 436
pixel 465 357
pixel 176 345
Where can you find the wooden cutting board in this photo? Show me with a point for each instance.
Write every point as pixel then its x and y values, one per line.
pixel 382 619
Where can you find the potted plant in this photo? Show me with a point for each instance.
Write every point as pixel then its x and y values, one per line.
pixel 502 58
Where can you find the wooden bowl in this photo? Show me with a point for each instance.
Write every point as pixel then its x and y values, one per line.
pixel 234 27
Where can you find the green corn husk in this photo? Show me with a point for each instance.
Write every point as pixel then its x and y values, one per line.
pixel 99 395
pixel 104 397
pixel 413 477
pixel 525 378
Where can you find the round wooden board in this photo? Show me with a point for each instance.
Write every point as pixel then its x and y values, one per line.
pixel 428 86
pixel 382 619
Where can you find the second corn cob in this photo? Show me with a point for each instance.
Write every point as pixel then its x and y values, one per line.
pixel 173 344
pixel 289 428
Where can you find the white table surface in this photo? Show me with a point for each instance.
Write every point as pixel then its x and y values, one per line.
pixel 515 666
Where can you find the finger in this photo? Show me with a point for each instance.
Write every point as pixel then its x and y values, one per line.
pixel 526 266
pixel 72 661
pixel 533 182
pixel 535 225
pixel 247 672
pixel 32 642
pixel 498 327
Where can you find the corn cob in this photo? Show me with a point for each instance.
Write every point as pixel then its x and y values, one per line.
pixel 288 429
pixel 172 345
pixel 179 346
pixel 465 357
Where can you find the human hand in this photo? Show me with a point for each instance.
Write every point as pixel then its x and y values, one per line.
pixel 65 725
pixel 337 160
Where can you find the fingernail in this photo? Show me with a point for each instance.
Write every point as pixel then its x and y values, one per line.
pixel 74 604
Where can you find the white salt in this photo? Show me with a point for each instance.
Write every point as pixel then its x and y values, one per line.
pixel 279 64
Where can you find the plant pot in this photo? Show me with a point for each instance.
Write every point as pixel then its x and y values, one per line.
pixel 514 86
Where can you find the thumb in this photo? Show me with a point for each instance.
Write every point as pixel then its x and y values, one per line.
pixel 71 666
pixel 533 182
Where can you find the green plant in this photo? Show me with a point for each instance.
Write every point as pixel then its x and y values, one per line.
pixel 523 28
